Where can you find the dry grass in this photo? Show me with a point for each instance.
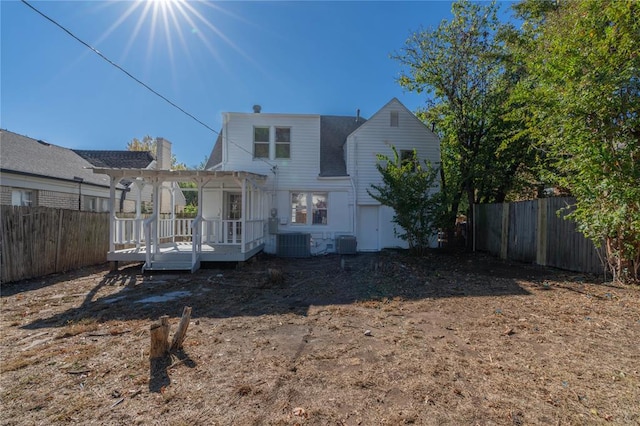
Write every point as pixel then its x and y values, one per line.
pixel 384 339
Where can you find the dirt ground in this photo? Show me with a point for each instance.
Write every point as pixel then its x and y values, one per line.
pixel 459 339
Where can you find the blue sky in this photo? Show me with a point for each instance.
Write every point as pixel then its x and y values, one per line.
pixel 289 57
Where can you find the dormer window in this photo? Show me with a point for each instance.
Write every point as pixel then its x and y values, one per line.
pixel 394 119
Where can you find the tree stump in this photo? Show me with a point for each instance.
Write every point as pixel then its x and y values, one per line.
pixel 181 332
pixel 159 338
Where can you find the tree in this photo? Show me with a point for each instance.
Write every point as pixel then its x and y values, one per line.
pixel 461 64
pixel 581 98
pixel 408 188
pixel 149 143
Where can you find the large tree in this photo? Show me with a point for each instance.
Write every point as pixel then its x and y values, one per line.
pixel 581 100
pixel 461 65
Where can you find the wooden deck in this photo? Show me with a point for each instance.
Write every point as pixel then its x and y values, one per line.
pixel 209 252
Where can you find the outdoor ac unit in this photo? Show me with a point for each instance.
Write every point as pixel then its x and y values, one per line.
pixel 346 244
pixel 293 245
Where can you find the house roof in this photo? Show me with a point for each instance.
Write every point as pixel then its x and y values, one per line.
pixel 333 135
pixel 117 159
pixel 27 156
pixel 216 153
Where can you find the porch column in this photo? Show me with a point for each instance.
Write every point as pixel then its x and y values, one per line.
pixel 112 222
pixel 173 211
pixel 137 229
pixel 156 213
pixel 243 216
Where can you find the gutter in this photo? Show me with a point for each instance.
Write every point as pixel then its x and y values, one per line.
pixel 17 172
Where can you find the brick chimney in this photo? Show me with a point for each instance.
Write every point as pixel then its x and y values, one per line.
pixel 163 154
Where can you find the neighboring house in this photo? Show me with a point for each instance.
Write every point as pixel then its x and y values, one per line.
pixel 37 173
pixel 290 184
pixel 134 160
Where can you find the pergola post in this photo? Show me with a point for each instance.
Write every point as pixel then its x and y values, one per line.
pixel 156 213
pixel 138 222
pixel 243 216
pixel 112 222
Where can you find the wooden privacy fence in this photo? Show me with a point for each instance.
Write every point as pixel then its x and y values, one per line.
pixel 38 241
pixel 532 231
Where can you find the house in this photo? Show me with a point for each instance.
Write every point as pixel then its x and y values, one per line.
pixel 38 173
pixel 290 184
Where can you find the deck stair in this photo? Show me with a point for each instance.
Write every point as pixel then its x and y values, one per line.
pixel 171 262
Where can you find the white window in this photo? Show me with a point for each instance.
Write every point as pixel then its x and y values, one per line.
pixel 21 197
pixel 260 142
pixel 300 202
pixel 394 119
pixel 283 142
pixel 90 204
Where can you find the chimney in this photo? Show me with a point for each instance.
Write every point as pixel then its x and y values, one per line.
pixel 257 109
pixel 163 154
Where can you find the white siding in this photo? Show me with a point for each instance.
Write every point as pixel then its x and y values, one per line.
pixel 377 136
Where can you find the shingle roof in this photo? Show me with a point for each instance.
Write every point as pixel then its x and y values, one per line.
pixel 117 159
pixel 216 153
pixel 25 155
pixel 333 135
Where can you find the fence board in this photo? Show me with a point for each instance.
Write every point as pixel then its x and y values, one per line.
pixel 558 245
pixel 522 231
pixel 38 241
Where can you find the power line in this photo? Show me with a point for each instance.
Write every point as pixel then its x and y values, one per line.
pixel 137 80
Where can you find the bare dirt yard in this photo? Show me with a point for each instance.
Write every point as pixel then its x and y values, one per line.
pixel 459 339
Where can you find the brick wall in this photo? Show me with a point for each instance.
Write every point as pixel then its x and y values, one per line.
pixel 57 200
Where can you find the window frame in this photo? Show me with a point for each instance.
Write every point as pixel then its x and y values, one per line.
pixel 279 143
pixel 409 156
pixel 261 143
pixel 28 202
pixel 313 213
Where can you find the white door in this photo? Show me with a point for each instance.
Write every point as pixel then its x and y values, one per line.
pixel 368 232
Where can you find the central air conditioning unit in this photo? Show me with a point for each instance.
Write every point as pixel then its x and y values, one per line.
pixel 293 245
pixel 346 244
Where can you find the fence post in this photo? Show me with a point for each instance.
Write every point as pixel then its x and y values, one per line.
pixel 541 232
pixel 504 235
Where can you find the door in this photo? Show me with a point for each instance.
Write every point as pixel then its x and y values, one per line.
pixel 233 215
pixel 368 228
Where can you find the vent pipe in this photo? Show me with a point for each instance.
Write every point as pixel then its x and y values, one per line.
pixel 357 115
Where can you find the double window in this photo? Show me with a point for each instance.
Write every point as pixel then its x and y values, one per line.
pixel 309 208
pixel 21 197
pixel 262 140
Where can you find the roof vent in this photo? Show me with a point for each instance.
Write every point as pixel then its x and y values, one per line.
pixel 257 109
pixel 43 143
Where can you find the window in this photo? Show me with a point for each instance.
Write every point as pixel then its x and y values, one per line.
pixel 283 142
pixel 260 142
pixel 319 207
pixel 394 119
pixel 409 156
pixel 21 197
pixel 299 208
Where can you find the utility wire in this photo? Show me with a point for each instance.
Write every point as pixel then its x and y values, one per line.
pixel 143 84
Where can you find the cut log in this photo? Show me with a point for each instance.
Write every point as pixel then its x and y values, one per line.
pixel 159 338
pixel 181 332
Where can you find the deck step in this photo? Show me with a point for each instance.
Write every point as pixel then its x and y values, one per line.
pixel 166 265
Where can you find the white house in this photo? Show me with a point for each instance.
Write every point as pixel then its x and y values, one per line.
pixel 289 184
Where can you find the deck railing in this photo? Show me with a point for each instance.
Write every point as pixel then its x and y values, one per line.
pixel 128 231
pixel 254 234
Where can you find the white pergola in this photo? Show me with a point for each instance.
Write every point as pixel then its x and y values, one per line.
pixel 210 240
